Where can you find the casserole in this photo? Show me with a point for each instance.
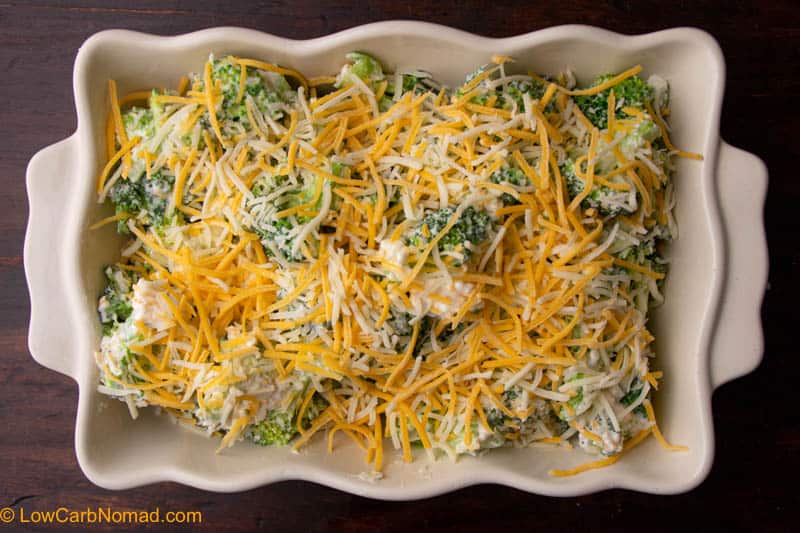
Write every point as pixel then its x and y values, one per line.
pixel 707 332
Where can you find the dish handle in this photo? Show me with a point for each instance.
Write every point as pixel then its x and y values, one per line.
pixel 738 343
pixel 49 179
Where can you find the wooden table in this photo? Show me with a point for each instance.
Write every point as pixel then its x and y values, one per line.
pixel 753 483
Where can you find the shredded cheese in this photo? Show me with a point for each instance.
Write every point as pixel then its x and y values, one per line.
pixel 387 259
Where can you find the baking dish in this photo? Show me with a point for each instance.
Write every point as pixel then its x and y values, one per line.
pixel 708 331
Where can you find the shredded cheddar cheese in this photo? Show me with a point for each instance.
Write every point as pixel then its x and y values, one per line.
pixel 380 258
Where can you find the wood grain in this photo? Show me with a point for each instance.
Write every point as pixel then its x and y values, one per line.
pixel 752 484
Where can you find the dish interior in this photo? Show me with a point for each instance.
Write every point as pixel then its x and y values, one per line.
pixel 118 448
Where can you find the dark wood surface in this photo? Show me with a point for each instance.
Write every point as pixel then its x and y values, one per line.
pixel 753 485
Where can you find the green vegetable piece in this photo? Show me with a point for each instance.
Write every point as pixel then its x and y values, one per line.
pixel 146 200
pixel 576 400
pixel 630 92
pixel 265 185
pixel 496 419
pixel 365 66
pixel 601 197
pixel 646 131
pixel 139 122
pixel 265 93
pixel 632 395
pixel 472 227
pixel 277 429
pixel 337 168
pixel 115 305
pixel 510 176
pixel 280 234
pixel 534 88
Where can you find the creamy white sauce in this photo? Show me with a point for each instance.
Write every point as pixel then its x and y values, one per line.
pixel 114 347
pixel 660 89
pixel 612 442
pixel 492 205
pixel 394 252
pixel 457 293
pixel 149 305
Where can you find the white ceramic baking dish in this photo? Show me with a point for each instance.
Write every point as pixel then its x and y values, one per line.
pixel 708 332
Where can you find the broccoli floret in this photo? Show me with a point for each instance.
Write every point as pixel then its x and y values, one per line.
pixel 362 66
pixel 644 251
pixel 280 425
pixel 496 420
pixel 267 91
pixel 471 76
pixel 535 88
pixel 510 176
pixel 127 196
pixel 298 195
pixel 145 199
pixel 115 304
pixel 126 369
pixel 410 83
pixel 315 407
pixel 116 310
pixel 156 107
pixel 472 227
pixel 365 66
pixel 227 72
pixel 632 395
pixel 413 83
pixel 337 168
pixel 576 400
pixel 509 95
pixel 631 92
pixel 606 200
pixel 139 122
pixel 645 254
pixel 401 326
pixel 308 192
pixel 447 335
pixel 557 422
pixel 157 192
pixel 646 131
pixel 426 324
pixel 398 321
pixel 509 396
pixel 277 429
pixel 479 99
pixel 279 234
pixel 264 185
